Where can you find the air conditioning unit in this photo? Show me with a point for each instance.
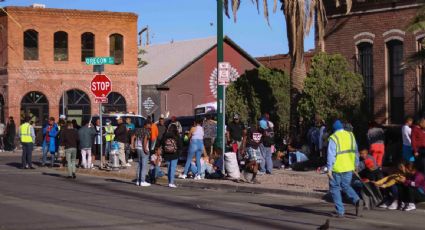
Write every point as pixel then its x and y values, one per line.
pixel 37 5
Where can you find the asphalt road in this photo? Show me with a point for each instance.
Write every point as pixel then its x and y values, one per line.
pixel 45 199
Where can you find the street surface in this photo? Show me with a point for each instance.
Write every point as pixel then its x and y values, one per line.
pixel 45 199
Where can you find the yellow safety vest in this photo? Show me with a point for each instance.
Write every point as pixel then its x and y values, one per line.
pixel 345 151
pixel 109 133
pixel 25 132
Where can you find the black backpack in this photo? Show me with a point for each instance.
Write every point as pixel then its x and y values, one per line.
pixel 170 146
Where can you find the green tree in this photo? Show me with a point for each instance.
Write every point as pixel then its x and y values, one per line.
pixel 331 89
pixel 299 17
pixel 417 24
pixel 257 92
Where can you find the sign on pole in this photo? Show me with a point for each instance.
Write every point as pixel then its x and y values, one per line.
pixel 101 85
pixel 101 100
pixel 223 73
pixel 100 61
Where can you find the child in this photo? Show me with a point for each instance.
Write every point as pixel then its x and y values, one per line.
pixel 368 168
pixel 155 168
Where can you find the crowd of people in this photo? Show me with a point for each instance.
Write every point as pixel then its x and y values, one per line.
pixel 358 171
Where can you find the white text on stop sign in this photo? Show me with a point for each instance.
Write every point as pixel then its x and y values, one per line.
pixel 95 86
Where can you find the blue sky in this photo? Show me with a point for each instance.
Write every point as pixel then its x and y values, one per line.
pixel 187 19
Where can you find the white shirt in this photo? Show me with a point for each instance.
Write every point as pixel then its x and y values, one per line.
pixel 2 129
pixel 406 133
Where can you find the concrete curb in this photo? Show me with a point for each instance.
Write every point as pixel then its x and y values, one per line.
pixel 248 189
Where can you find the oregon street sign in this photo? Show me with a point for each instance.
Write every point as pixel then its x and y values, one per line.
pixel 101 85
pixel 100 61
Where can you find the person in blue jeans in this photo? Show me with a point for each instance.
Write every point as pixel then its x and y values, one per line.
pixel 140 142
pixel 171 145
pixel 267 142
pixel 343 159
pixel 196 148
pixel 155 165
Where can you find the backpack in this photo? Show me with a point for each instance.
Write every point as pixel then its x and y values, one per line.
pixel 170 146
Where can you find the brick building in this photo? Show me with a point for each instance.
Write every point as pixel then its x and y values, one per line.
pixel 42 53
pixel 373 39
pixel 283 61
pixel 179 75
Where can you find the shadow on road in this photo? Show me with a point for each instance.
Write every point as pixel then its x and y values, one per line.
pixel 14 165
pixel 52 174
pixel 287 208
pixel 119 181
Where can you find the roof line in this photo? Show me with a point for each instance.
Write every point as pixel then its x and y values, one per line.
pixel 226 39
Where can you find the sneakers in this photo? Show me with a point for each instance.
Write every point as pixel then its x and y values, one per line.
pixel 198 177
pixel 128 165
pixel 359 207
pixel 172 186
pixel 145 184
pixel 137 183
pixel 182 176
pixel 409 207
pixel 383 205
pixel 130 160
pixel 393 205
pixel 402 206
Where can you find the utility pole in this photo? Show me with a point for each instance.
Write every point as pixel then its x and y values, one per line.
pixel 220 88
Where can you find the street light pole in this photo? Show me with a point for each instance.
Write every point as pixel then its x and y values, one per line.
pixel 220 88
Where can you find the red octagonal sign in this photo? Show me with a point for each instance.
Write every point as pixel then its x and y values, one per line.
pixel 101 85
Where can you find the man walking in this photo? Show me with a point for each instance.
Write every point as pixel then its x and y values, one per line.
pixel 69 139
pixel 27 136
pixel 343 158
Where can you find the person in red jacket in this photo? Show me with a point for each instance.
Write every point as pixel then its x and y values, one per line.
pixel 418 145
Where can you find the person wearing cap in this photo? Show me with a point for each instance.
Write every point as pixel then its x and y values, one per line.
pixel 175 122
pixel 236 133
pixel 343 158
pixel 109 137
pixel 27 137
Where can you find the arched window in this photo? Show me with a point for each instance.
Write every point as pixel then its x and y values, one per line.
pixel 77 105
pixel 116 48
pixel 36 106
pixel 365 65
pixel 396 81
pixel 61 46
pixel 30 45
pixel 116 103
pixel 87 45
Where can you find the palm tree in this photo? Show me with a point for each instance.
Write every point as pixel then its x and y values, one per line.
pixel 299 17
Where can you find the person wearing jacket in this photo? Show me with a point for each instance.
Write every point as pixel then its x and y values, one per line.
pixel 412 188
pixel 418 145
pixel 86 136
pixel 27 137
pixel 343 158
pixel 122 139
pixel 171 149
pixel 50 132
pixel 69 139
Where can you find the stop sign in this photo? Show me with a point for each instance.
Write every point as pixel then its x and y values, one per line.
pixel 101 85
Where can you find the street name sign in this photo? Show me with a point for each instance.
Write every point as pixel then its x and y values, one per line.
pixel 100 61
pixel 101 100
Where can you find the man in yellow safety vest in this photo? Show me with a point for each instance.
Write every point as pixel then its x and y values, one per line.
pixel 109 136
pixel 343 158
pixel 27 137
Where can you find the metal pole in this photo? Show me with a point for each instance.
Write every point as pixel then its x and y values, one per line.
pixel 220 88
pixel 101 131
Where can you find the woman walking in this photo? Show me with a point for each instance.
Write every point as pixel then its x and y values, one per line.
pixel 171 148
pixel 196 148
pixel 140 142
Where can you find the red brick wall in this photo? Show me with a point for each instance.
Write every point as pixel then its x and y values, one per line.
pixel 342 34
pixel 52 78
pixel 283 61
pixel 191 87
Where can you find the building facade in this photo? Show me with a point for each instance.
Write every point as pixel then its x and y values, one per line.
pixel 181 75
pixel 42 61
pixel 373 38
